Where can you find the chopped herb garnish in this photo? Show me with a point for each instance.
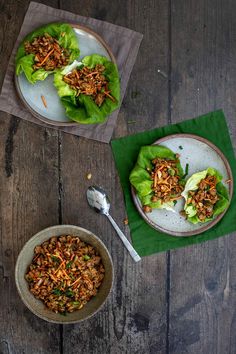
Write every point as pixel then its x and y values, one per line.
pixel 86 257
pixel 76 303
pixel 69 293
pixel 181 147
pixel 57 292
pixel 55 259
pixel 175 201
pixel 186 170
pixel 68 265
pixel 171 171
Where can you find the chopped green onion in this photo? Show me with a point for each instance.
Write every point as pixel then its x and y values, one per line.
pixel 186 171
pixel 57 292
pixel 171 171
pixel 69 264
pixel 86 257
pixel 69 293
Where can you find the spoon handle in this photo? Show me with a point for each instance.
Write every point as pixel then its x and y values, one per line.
pixel 127 244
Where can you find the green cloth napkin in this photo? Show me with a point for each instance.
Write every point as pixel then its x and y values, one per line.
pixel 147 240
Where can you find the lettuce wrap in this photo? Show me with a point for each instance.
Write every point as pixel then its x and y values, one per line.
pixel 141 180
pixel 192 185
pixel 80 107
pixel 66 38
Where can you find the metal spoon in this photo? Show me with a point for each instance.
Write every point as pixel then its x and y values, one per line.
pixel 98 200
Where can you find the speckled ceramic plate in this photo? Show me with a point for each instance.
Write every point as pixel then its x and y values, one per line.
pixel 89 43
pixel 200 154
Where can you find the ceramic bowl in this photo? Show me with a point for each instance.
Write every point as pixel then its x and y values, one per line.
pixel 37 306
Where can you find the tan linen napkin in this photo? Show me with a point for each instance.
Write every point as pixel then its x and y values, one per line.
pixel 123 42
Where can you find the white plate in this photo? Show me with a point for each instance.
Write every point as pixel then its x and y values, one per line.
pixel 89 43
pixel 200 154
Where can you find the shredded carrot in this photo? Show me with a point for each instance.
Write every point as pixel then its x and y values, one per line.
pixel 107 94
pixel 93 73
pixel 155 180
pixel 77 75
pixel 51 276
pixel 58 256
pixel 46 58
pixel 76 281
pixel 44 101
pixel 176 198
pixel 62 263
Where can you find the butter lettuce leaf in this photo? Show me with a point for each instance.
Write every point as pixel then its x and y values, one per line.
pixel 192 185
pixel 141 180
pixel 66 37
pixel 82 108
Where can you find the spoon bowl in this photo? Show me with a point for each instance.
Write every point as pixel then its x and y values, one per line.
pixel 99 201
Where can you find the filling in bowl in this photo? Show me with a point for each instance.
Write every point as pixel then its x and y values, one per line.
pixel 65 273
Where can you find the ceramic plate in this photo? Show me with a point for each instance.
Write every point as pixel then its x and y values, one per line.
pixel 89 43
pixel 200 154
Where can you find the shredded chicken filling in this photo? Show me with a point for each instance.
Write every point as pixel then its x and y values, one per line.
pixel 49 55
pixel 90 82
pixel 166 181
pixel 204 198
pixel 65 273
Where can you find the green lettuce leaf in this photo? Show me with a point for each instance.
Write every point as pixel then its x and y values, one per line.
pixel 192 185
pixel 82 108
pixel 141 180
pixel 66 37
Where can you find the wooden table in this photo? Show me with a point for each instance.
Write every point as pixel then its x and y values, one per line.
pixel 182 301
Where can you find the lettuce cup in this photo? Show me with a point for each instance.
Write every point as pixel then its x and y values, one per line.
pixel 158 178
pixel 205 196
pixel 46 50
pixel 89 90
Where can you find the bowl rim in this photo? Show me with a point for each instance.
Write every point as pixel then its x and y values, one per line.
pixel 34 237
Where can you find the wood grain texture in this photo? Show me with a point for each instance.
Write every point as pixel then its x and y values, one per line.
pixel 202 277
pixel 134 317
pixel 179 302
pixel 28 203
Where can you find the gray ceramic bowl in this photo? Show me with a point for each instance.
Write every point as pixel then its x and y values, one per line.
pixel 37 306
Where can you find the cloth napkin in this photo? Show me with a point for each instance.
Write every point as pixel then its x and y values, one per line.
pixel 123 42
pixel 147 240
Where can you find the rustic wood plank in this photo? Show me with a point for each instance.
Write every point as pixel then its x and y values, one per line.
pixel 202 278
pixel 29 202
pixel 134 318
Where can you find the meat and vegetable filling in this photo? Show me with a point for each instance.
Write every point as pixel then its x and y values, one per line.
pixel 90 82
pixel 49 55
pixel 204 198
pixel 65 273
pixel 166 186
